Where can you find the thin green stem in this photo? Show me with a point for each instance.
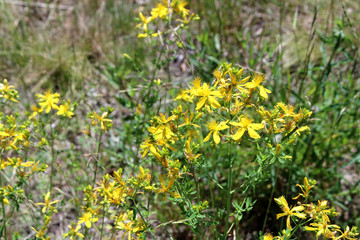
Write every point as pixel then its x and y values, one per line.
pixel 4 214
pixel 229 183
pixel 103 221
pixel 270 200
pixel 52 169
pixel 98 157
pixel 142 217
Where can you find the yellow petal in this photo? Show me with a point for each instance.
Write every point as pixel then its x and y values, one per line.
pixel 207 137
pixel 263 92
pixel 214 103
pixel 239 134
pixel 216 137
pixel 200 103
pixel 252 133
pixel 256 126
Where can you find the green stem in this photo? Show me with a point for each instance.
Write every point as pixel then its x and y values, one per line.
pixel 142 217
pixel 98 157
pixel 52 155
pixel 228 202
pixel 4 214
pixel 270 200
pixel 102 223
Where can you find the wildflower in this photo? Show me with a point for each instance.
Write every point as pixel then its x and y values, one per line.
pixel 8 92
pixel 73 232
pixel 323 228
pixel 189 155
pixel 255 83
pixel 184 96
pixel 41 232
pixel 214 129
pixel 43 142
pixel 207 97
pixel 348 234
pixel 36 111
pixel 129 227
pixel 145 21
pixel 246 124
pixel 289 212
pixel 88 218
pixel 180 8
pixel 3 132
pixel 305 188
pixel 268 236
pixel 161 11
pixel 48 101
pixel 147 146
pixel 188 120
pixel 64 110
pixel 144 35
pixel 105 123
pixel 166 189
pixel 302 129
pixel 47 203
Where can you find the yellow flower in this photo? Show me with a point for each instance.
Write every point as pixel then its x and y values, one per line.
pixel 104 122
pixel 48 101
pixel 8 92
pixel 41 232
pixel 246 124
pixel 214 129
pixel 129 227
pixel 144 35
pixel 184 95
pixel 149 145
pixel 207 97
pixel 289 212
pixel 36 111
pixel 323 228
pixel 160 11
pixel 268 236
pixel 73 232
pixel 189 155
pixel 145 21
pixel 166 189
pixel 180 8
pixel 255 83
pixel 64 110
pixel 188 120
pixel 305 188
pixel 348 234
pixel 47 203
pixel 88 218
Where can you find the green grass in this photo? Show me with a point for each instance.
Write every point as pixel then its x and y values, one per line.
pixel 308 50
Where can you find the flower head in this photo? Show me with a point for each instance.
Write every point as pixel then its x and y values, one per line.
pixel 287 211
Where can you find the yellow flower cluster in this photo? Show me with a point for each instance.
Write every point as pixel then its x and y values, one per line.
pixel 18 134
pixel 231 102
pixel 116 192
pixel 48 101
pixel 164 10
pixel 317 214
pixel 8 92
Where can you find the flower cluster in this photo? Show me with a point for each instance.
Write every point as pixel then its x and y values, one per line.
pixel 228 107
pixel 48 101
pixel 317 214
pixel 164 10
pixel 115 192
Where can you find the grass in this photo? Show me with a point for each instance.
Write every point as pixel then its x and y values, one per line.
pixel 309 51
